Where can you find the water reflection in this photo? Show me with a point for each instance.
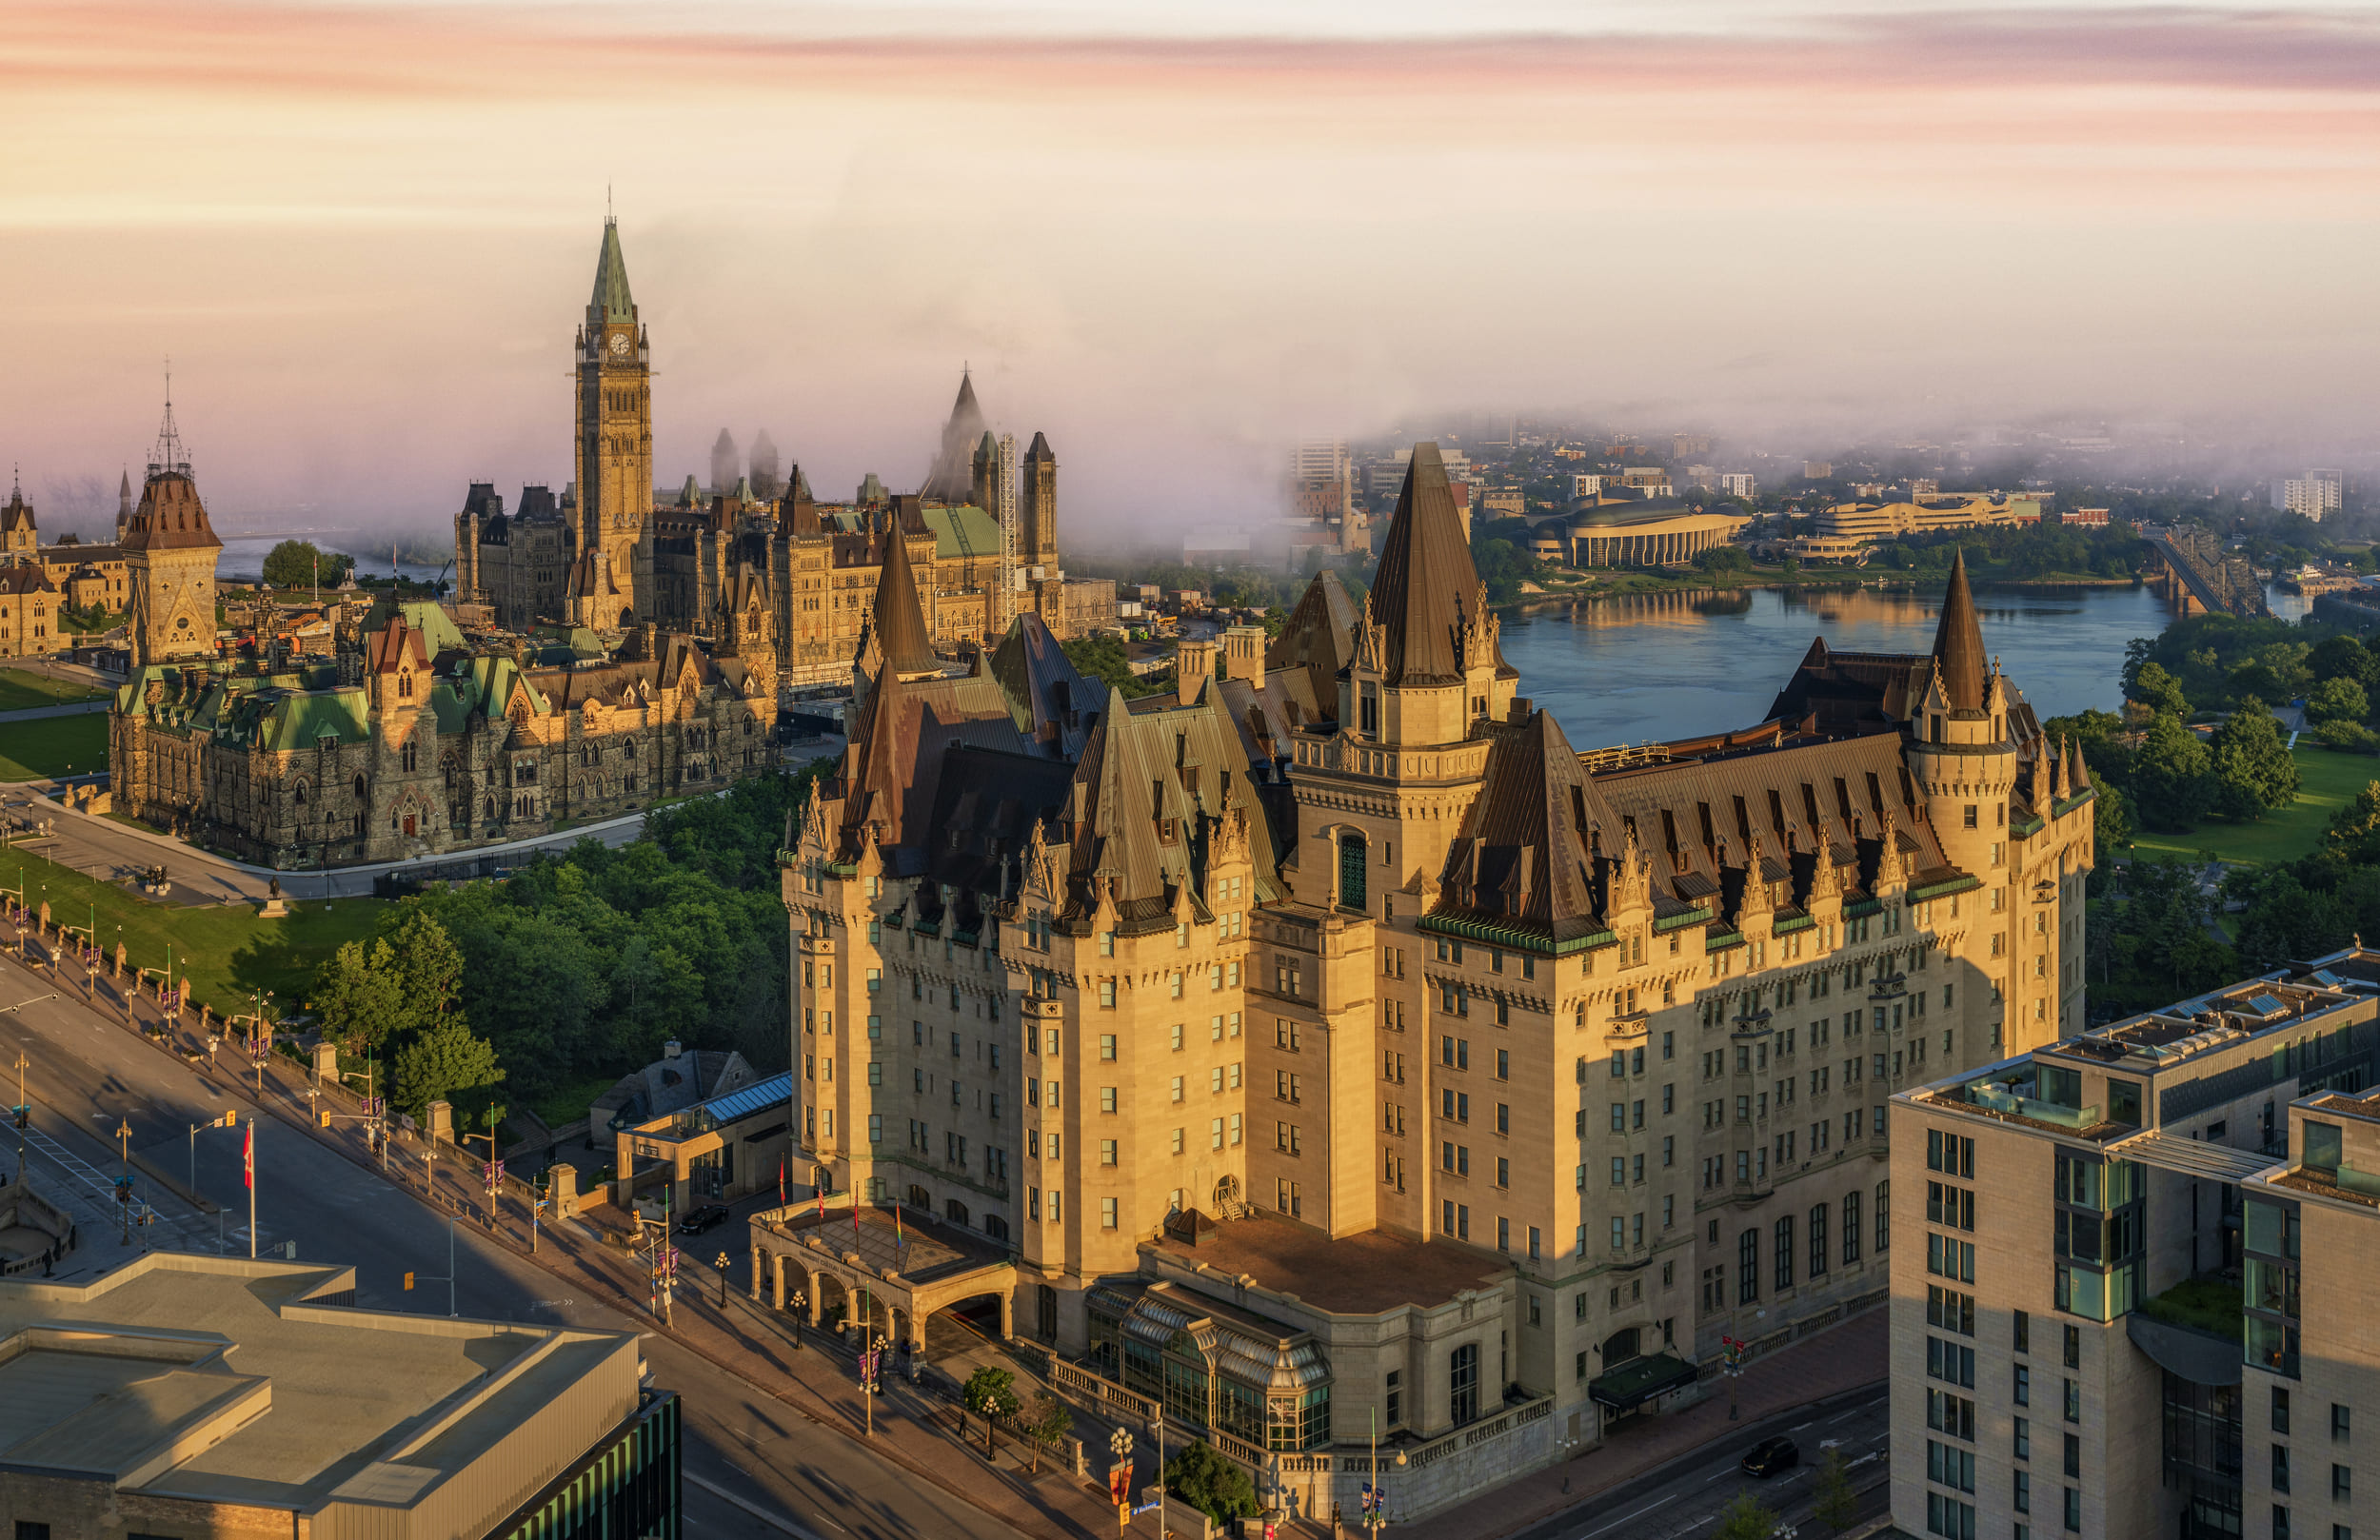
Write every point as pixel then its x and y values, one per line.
pixel 1670 665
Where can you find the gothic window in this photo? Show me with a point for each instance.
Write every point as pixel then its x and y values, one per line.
pixel 358 788
pixel 406 755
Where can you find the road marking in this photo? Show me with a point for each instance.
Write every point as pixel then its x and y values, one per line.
pixel 1800 1426
pixel 1846 1416
pixel 1637 1514
pixel 774 1521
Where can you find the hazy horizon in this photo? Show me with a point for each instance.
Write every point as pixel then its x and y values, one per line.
pixel 365 232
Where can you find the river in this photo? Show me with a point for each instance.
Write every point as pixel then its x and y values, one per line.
pixel 242 558
pixel 1675 665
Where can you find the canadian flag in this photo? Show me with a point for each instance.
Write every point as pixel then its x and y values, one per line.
pixel 247 1158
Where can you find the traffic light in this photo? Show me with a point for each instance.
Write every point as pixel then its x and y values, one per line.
pixel 24 1116
pixel 229 1121
pixel 409 1283
pixel 324 1118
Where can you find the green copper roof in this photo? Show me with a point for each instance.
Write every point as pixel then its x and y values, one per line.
pixel 962 531
pixel 611 279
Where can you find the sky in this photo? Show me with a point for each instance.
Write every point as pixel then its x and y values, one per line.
pixel 1174 236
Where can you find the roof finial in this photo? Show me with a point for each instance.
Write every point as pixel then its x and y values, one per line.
pixel 169 455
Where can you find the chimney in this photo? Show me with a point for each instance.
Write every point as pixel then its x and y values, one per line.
pixel 1194 665
pixel 672 1049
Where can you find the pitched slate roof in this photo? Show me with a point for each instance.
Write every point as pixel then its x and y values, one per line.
pixel 1959 644
pixel 1522 857
pixel 898 621
pixel 612 301
pixel 893 764
pixel 1319 640
pixel 1426 591
pixel 1039 453
pixel 1051 700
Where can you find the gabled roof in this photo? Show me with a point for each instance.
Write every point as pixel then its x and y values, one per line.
pixel 1049 697
pixel 1426 592
pixel 25 577
pixel 894 761
pixel 17 514
pixel 1318 638
pixel 612 301
pixel 1959 644
pixel 1147 799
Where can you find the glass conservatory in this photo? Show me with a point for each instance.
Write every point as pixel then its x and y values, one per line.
pixel 1211 1366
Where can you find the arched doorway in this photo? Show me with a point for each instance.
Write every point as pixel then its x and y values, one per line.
pixel 1621 1346
pixel 964 1324
pixel 627 618
pixel 1226 1192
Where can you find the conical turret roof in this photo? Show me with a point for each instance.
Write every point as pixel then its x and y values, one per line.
pixel 1959 644
pixel 899 620
pixel 1426 589
pixel 612 301
pixel 1040 450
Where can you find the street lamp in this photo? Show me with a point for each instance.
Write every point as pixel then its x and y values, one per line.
pixel 799 1301
pixel 871 1361
pixel 721 1265
pixel 1120 1476
pixel 1375 1501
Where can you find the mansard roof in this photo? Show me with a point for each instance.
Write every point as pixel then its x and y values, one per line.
pixel 171 516
pixel 1426 593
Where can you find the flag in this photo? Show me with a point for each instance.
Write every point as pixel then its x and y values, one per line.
pixel 821 1205
pixel 247 1159
pixel 780 1179
pixel 898 1242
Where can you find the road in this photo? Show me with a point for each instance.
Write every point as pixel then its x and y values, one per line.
pixel 756 1469
pixel 1684 1498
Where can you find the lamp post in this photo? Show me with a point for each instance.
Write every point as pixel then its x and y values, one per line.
pixel 24 1116
pixel 1120 1476
pixel 871 1361
pixel 799 1301
pixel 721 1265
pixel 1375 1501
pixel 124 1177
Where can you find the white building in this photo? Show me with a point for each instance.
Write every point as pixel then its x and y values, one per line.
pixel 1738 483
pixel 2315 494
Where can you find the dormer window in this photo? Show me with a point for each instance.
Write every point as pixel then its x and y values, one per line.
pixel 405 685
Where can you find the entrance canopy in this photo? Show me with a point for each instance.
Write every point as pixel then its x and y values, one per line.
pixel 1639 1380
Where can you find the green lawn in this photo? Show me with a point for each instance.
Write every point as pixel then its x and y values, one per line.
pixel 2326 781
pixel 19 690
pixel 53 747
pixel 225 950
pixel 2206 1305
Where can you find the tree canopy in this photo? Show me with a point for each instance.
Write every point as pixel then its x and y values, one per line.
pixel 297 563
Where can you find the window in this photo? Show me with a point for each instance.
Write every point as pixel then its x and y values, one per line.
pixel 1107 1098
pixel 1351 871
pixel 1107 1214
pixel 1748 1266
pixel 1463 1383
pixel 2339 1421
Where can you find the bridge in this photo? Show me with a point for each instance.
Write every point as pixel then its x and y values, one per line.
pixel 2188 567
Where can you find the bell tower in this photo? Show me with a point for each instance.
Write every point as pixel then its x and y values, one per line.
pixel 614 449
pixel 169 550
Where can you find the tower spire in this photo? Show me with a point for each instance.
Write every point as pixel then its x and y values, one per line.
pixel 1426 592
pixel 899 618
pixel 1959 644
pixel 169 454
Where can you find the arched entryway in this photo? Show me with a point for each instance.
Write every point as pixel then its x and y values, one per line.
pixel 964 1324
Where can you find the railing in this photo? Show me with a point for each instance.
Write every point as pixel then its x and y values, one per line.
pixel 1082 1382
pixel 1480 1433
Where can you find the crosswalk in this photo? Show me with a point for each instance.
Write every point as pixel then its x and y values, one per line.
pixel 83 1171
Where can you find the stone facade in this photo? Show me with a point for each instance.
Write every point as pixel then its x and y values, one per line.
pixel 415 742
pixel 1353 946
pixel 28 612
pixel 609 554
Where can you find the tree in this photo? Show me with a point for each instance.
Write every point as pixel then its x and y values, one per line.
pixel 443 1063
pixel 359 997
pixel 2254 770
pixel 2159 690
pixel 1208 1482
pixel 2170 774
pixel 2338 699
pixel 2111 819
pixel 295 563
pixel 1837 1506
pixel 2345 657
pixel 1049 1421
pixel 2354 836
pixel 990 1394
pixel 1746 1518
pixel 2100 735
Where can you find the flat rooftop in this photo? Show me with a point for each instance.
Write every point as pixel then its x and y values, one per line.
pixel 238 1381
pixel 1360 1274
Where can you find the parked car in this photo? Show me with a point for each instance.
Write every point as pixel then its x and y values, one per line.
pixel 1770 1455
pixel 706 1217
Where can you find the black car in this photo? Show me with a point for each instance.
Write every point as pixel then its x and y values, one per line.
pixel 705 1217
pixel 1770 1455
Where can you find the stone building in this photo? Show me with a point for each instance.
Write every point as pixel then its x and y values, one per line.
pixel 29 611
pixel 610 554
pixel 170 552
pixel 1195 1009
pixel 87 577
pixel 417 742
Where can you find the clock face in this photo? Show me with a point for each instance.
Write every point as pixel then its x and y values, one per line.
pixel 619 344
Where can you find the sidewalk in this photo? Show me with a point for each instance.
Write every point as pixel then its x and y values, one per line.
pixel 1848 1358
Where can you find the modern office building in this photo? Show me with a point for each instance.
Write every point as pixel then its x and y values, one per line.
pixel 2139 1309
pixel 2316 494
pixel 209 1395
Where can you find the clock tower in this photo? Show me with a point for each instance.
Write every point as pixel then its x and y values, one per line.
pixel 614 451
